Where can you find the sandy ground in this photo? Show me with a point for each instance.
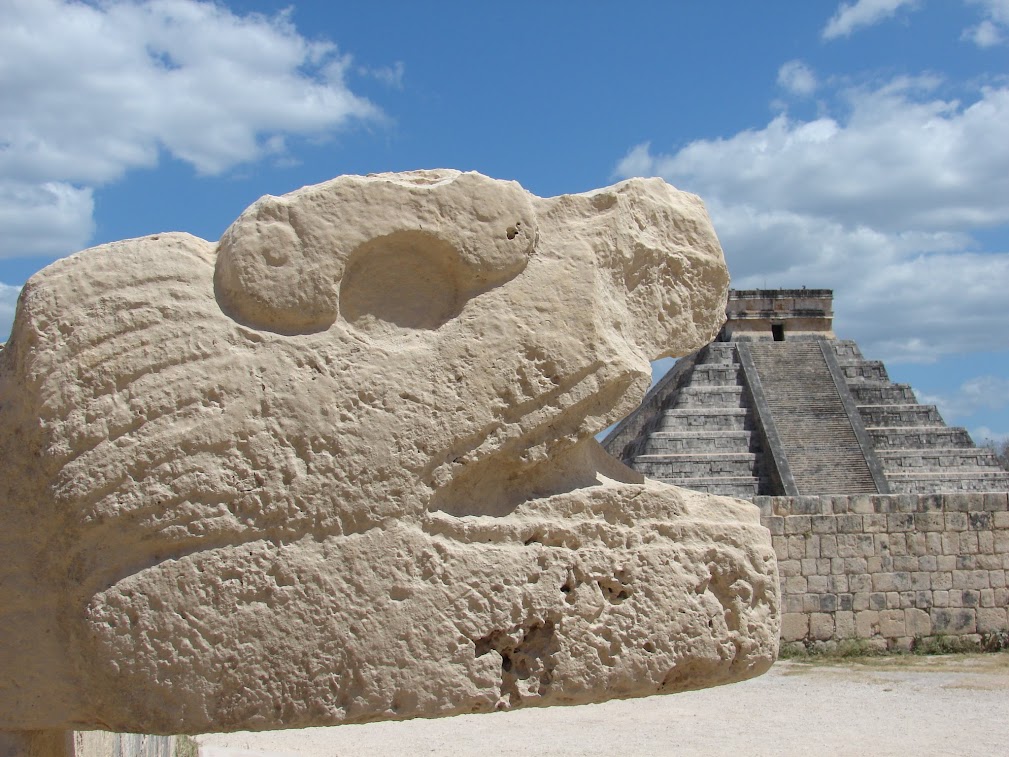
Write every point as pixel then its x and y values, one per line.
pixel 955 705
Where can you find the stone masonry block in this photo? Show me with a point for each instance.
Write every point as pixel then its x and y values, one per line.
pixel 940 598
pixel 996 502
pixel 891 581
pixel 921 581
pixel 1002 542
pixel 795 585
pixel 808 566
pixel 929 522
pixel 923 599
pixel 991 619
pixel 905 563
pixel 956 521
pixel 774 523
pixel 952 621
pixel 916 544
pixel 794 626
pixel 861 503
pixel 986 542
pixel 821 626
pixel 899 522
pixel 853 565
pixel 844 625
pixel 788 568
pixel 892 623
pixel 860 601
pixel 797 524
pixel 860 582
pixel 791 603
pixel 893 600
pixel 828 545
pixel 873 523
pixel 971 579
pixel 877 601
pixel 828 602
pixel 979 521
pixel 825 524
pixel 1000 521
pixel 917 623
pixel 968 543
pixel 933 543
pixel 780 546
pixel 927 563
pixel 997 579
pixel 816 584
pixel 866 624
pixel 987 597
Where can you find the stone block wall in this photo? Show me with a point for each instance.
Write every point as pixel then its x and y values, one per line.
pixel 893 570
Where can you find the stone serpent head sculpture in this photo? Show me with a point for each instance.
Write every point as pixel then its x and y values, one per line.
pixel 340 466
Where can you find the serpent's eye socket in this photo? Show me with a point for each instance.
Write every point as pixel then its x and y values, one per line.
pixel 404 280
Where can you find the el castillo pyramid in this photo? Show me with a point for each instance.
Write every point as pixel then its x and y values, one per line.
pixel 778 405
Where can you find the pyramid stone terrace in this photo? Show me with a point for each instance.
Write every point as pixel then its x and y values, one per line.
pixel 778 405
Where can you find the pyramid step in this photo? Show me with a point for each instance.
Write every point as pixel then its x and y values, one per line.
pixel 716 375
pixel 694 419
pixel 938 459
pixel 879 393
pixel 864 370
pixel 918 437
pixel 700 442
pixel 710 396
pixel 874 416
pixel 932 483
pixel 745 487
pixel 685 466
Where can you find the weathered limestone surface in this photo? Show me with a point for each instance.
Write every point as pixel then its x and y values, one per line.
pixel 340 466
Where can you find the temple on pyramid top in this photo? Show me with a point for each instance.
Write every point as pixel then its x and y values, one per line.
pixel 778 405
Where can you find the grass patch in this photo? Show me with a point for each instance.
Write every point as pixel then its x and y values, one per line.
pixel 186 746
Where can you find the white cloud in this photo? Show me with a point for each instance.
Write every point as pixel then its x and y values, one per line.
pixel 797 78
pixel 992 29
pixel 92 91
pixel 982 393
pixel 879 201
pixel 983 434
pixel 849 17
pixel 8 301
pixel 36 219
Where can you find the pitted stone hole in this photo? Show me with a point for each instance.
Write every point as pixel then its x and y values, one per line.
pixel 404 280
pixel 613 590
pixel 527 658
pixel 513 231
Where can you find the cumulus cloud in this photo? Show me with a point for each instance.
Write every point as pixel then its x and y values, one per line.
pixel 8 301
pixel 992 29
pixel 92 91
pixel 881 200
pixel 851 16
pixel 797 78
pixel 983 393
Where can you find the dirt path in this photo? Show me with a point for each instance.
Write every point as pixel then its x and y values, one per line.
pixel 955 705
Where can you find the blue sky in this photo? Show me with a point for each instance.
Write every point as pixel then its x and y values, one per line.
pixel 860 146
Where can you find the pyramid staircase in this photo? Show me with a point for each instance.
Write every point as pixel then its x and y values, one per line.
pixel 920 454
pixel 806 416
pixel 704 435
pixel 819 438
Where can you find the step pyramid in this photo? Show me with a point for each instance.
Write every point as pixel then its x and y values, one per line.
pixel 777 405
